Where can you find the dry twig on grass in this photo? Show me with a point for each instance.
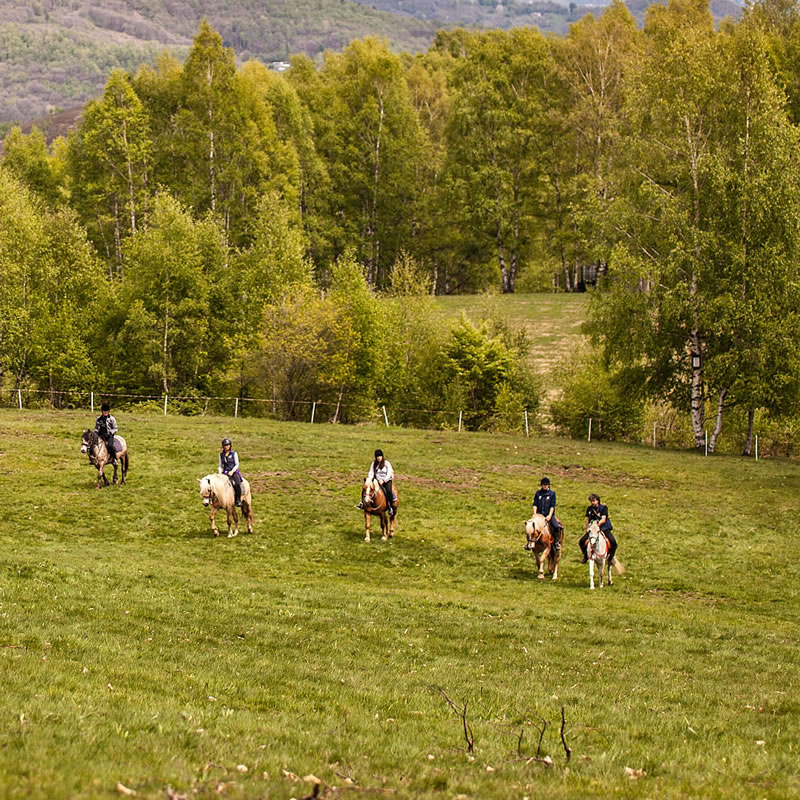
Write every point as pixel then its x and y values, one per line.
pixel 563 739
pixel 462 714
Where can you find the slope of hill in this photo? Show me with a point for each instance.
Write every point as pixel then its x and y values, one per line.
pixel 56 54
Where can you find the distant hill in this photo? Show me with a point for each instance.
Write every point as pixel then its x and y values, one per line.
pixel 56 54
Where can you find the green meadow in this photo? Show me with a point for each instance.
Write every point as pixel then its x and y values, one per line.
pixel 139 654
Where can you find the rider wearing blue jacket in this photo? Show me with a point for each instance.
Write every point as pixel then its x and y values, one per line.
pixel 229 465
pixel 544 503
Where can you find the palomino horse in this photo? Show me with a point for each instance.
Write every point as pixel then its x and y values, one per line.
pixel 374 502
pixel 597 551
pixel 217 492
pixel 541 545
pixel 92 444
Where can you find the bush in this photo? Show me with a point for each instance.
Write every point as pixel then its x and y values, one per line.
pixel 590 391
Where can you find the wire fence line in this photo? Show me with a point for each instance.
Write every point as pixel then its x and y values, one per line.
pixel 21 398
pixel 517 421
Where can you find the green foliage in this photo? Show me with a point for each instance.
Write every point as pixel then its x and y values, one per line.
pixel 47 295
pixel 590 391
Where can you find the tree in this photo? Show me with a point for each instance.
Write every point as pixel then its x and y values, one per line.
pixel 498 101
pixel 27 158
pixel 705 217
pixel 110 159
pixel 173 333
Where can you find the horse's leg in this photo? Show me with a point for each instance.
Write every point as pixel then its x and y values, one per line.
pixel 540 557
pixel 392 523
pixel 608 565
pixel 211 516
pixel 247 514
pixel 556 560
pixel 591 573
pixel 384 526
pixel 602 569
pixel 366 525
pixel 235 525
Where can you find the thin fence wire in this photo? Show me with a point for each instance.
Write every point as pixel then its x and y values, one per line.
pixel 224 405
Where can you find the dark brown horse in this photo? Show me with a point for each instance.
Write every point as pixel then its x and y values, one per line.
pixel 92 444
pixel 373 501
pixel 543 548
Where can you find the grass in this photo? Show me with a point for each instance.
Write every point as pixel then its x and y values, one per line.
pixel 551 321
pixel 138 649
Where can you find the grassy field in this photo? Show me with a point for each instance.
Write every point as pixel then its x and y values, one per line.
pixel 552 322
pixel 137 650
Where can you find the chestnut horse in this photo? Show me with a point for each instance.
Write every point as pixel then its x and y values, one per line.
pixel 217 491
pixel 92 444
pixel 373 501
pixel 540 543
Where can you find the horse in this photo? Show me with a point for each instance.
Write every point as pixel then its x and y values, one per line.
pixel 543 548
pixel 597 552
pixel 92 444
pixel 373 501
pixel 217 492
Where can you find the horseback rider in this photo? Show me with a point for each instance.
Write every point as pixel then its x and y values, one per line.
pixel 544 503
pixel 229 465
pixel 106 427
pixel 598 512
pixel 381 471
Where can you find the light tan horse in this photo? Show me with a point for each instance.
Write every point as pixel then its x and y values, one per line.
pixel 540 543
pixel 217 492
pixel 92 444
pixel 374 503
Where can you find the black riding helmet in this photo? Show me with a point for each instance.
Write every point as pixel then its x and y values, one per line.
pixel 105 407
pixel 544 482
pixel 378 453
pixel 225 441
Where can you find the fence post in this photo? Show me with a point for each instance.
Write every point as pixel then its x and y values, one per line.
pixel 313 409
pixel 236 409
pixel 385 418
pixel 459 420
pixel 91 401
pixel 705 434
pixel 527 432
pixel 19 398
pixel 590 429
pixel 756 447
pixel 654 434
pixel 166 399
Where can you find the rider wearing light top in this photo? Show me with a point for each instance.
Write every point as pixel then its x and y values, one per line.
pixel 598 512
pixel 544 503
pixel 381 471
pixel 229 465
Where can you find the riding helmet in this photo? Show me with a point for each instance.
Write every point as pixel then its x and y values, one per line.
pixel 225 441
pixel 544 481
pixel 378 453
pixel 105 407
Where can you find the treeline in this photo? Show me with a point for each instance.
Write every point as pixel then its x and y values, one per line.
pixel 219 203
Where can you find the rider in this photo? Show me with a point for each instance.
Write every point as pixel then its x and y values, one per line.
pixel 229 465
pixel 544 503
pixel 598 512
pixel 381 471
pixel 106 427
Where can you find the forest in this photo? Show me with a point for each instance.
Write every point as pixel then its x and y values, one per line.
pixel 220 229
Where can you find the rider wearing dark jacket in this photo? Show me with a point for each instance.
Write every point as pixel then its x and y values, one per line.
pixel 544 503
pixel 106 427
pixel 598 512
pixel 229 465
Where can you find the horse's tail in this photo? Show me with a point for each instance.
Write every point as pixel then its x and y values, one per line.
pixel 618 567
